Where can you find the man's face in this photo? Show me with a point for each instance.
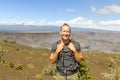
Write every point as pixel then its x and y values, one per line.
pixel 65 32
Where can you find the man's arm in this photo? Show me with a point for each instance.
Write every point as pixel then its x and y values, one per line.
pixel 77 54
pixel 53 57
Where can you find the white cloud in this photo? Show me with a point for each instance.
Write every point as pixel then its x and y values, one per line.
pixel 109 25
pixel 107 9
pixel 29 23
pixel 115 23
pixel 75 22
pixel 71 22
pixel 11 22
pixel 113 8
pixel 60 22
pixel 81 22
pixel 101 11
pixel 71 10
pixel 42 22
pixel 88 23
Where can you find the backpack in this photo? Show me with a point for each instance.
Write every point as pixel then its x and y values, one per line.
pixel 66 63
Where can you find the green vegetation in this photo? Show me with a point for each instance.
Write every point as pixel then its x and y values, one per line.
pixel 19 62
pixel 114 70
pixel 84 71
pixel 6 41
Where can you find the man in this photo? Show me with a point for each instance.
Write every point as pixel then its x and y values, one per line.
pixel 66 53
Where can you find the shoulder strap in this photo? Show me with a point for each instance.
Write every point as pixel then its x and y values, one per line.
pixel 72 41
pixel 58 42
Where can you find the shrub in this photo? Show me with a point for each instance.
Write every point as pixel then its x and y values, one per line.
pixel 115 70
pixel 18 66
pixel 39 76
pixel 11 65
pixel 49 70
pixel 2 61
pixel 13 42
pixel 4 40
pixel 84 71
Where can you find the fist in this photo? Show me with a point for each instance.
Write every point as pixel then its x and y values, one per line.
pixel 72 47
pixel 59 47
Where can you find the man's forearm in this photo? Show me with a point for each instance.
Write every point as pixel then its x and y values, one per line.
pixel 53 57
pixel 78 56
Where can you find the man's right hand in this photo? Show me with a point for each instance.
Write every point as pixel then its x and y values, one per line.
pixel 59 47
pixel 53 56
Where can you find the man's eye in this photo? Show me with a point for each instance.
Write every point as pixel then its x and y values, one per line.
pixel 66 31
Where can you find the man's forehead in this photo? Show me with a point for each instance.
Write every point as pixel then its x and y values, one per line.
pixel 65 27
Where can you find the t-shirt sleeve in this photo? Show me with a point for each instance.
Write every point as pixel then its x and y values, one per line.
pixel 53 49
pixel 77 46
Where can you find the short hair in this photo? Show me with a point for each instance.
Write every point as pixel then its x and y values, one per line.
pixel 65 24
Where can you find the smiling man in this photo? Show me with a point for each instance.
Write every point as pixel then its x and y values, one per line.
pixel 66 54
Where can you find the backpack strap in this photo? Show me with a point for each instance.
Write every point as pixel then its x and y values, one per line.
pixel 72 41
pixel 58 42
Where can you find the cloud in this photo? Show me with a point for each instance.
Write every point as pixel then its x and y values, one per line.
pixel 29 23
pixel 11 22
pixel 75 22
pixel 115 23
pixel 42 22
pixel 88 23
pixel 107 9
pixel 60 22
pixel 101 11
pixel 71 10
pixel 109 25
pixel 113 8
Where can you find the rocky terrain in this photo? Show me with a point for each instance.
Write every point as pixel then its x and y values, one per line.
pixel 19 62
pixel 89 41
pixel 29 60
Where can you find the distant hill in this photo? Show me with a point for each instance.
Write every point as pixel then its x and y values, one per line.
pixel 89 41
pixel 34 28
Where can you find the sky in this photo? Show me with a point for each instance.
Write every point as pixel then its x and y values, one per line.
pixel 96 14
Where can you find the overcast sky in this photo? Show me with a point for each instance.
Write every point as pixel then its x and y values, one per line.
pixel 100 14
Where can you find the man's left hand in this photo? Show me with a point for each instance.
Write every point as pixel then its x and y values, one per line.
pixel 72 47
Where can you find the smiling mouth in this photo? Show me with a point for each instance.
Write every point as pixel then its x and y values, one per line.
pixel 66 36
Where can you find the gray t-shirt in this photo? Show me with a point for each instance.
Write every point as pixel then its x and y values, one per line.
pixel 66 59
pixel 76 44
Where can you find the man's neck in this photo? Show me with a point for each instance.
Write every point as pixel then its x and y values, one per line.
pixel 65 41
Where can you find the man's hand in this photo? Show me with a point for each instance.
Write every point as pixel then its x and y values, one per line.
pixel 72 47
pixel 59 47
pixel 53 56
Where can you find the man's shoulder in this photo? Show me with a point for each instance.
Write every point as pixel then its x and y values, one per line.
pixel 77 45
pixel 54 45
pixel 75 42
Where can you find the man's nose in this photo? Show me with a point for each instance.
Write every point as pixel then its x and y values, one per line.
pixel 66 33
